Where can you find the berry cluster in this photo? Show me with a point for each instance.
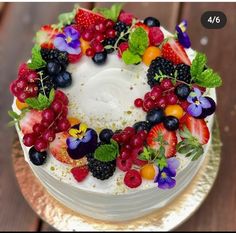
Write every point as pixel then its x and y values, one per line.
pixel 25 86
pixel 53 120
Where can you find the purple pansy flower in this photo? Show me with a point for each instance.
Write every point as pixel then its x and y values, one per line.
pixel 165 178
pixel 68 41
pixel 182 35
pixel 197 103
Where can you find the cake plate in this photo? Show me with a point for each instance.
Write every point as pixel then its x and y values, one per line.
pixel 164 219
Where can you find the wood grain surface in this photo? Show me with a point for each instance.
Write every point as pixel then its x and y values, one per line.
pixel 18 24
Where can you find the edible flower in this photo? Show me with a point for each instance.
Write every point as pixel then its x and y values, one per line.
pixel 68 41
pixel 165 178
pixel 182 35
pixel 197 103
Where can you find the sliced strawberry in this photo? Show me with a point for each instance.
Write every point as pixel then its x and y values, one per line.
pixel 135 154
pixel 86 18
pixel 46 35
pixel 80 173
pixel 58 149
pixel 169 137
pixel 173 51
pixel 197 127
pixel 29 120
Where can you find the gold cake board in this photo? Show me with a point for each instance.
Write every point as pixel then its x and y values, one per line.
pixel 165 219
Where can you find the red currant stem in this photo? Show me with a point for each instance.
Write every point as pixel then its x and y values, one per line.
pixel 172 88
pixel 41 81
pixel 168 76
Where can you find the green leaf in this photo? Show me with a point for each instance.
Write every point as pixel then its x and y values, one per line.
pixel 198 64
pixel 161 163
pixel 208 78
pixel 106 152
pixel 198 153
pixel 11 123
pixel 39 103
pixel 67 18
pixel 51 95
pixel 138 41
pixel 33 102
pixel 37 61
pixel 13 115
pixel 112 13
pixel 130 58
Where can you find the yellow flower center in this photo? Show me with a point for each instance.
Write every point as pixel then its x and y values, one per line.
pixel 68 39
pixel 163 175
pixel 182 27
pixel 79 133
pixel 197 102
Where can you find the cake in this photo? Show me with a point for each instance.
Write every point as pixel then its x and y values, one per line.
pixel 114 114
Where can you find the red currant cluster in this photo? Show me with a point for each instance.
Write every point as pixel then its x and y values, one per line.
pixel 131 146
pixel 160 96
pixel 97 35
pixel 25 85
pixel 54 120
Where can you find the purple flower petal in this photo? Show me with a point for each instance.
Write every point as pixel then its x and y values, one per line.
pixel 72 33
pixel 73 51
pixel 190 99
pixel 60 43
pixel 178 29
pixel 194 110
pixel 166 183
pixel 184 39
pixel 173 164
pixel 87 136
pixel 72 143
pixel 205 103
pixel 74 44
pixel 197 92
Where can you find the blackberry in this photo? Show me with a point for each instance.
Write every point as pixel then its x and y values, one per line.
pixel 121 27
pixel 159 66
pixel 109 41
pixel 55 54
pixel 183 73
pixel 46 85
pixel 101 170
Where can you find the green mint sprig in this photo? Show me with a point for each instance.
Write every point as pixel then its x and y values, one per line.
pixel 107 152
pixel 37 61
pixel 112 13
pixel 16 117
pixel 138 42
pixel 190 145
pixel 41 101
pixel 156 157
pixel 204 78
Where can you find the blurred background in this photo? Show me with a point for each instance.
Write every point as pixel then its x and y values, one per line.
pixel 18 25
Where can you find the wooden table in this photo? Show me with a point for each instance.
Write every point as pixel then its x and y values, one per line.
pixel 18 24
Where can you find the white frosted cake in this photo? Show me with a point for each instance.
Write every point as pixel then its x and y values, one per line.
pixel 114 114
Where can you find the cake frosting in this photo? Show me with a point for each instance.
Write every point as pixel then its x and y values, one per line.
pixel 102 96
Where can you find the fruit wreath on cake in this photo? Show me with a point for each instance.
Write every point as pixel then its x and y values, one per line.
pixel 92 124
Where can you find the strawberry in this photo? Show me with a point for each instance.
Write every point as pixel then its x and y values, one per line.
pixel 122 47
pixel 86 18
pixel 142 25
pixel 58 149
pixel 46 35
pixel 80 173
pixel 169 137
pixel 74 58
pixel 29 120
pixel 197 127
pixel 134 155
pixel 173 51
pixel 126 17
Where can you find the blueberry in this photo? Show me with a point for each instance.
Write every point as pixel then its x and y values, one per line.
pixel 155 116
pixel 37 158
pixel 182 91
pixel 171 123
pixel 152 22
pixel 63 79
pixel 208 111
pixel 53 67
pixel 142 125
pixel 106 135
pixel 100 58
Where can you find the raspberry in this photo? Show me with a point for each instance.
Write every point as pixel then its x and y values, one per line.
pixel 124 164
pixel 73 58
pixel 80 173
pixel 122 47
pixel 23 70
pixel 133 179
pixel 126 17
pixel 155 35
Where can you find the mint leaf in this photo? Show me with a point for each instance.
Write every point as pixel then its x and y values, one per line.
pixel 198 64
pixel 208 78
pixel 32 102
pixel 106 152
pixel 51 96
pixel 161 162
pixel 138 41
pixel 37 61
pixel 112 13
pixel 130 58
pixel 13 115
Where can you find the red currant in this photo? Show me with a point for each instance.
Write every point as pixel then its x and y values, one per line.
pixel 124 153
pixel 109 23
pixel 142 134
pixel 138 103
pixel 166 84
pixel 56 106
pixel 155 93
pixel 124 137
pixel 40 145
pixel 100 27
pixel 87 35
pixel 21 84
pixel 99 37
pixel 130 131
pixel 32 77
pixel 62 97
pixel 147 96
pixel 90 52
pixel 14 89
pixel 48 115
pixel 162 102
pixel 184 105
pixel 148 104
pixel 110 33
pixel 32 89
pixel 22 96
pixel 136 141
pixel 98 47
pixel 63 125
pixel 171 98
pixel 38 129
pixel 49 135
pixel 29 139
pixel 45 124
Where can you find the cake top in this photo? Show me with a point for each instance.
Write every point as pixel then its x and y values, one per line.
pixel 106 92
